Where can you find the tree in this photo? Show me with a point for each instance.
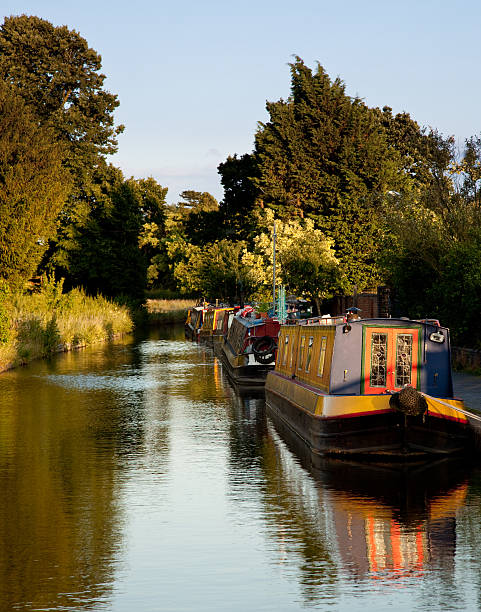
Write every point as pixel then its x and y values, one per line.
pixel 55 71
pixel 305 260
pixel 33 187
pixel 58 75
pixel 432 259
pixel 240 195
pixel 200 216
pixel 153 209
pixel 326 156
pixel 216 270
pixel 108 258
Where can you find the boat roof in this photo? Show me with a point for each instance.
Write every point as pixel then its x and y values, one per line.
pixel 252 322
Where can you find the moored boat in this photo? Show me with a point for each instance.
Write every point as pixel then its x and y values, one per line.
pixel 249 349
pixel 378 388
pixel 224 321
pixel 211 330
pixel 194 322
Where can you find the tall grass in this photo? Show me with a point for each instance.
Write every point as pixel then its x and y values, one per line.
pixel 41 323
pixel 168 305
pixel 168 311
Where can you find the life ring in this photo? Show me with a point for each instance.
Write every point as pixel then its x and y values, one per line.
pixel 264 349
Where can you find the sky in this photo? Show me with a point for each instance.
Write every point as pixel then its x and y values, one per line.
pixel 193 77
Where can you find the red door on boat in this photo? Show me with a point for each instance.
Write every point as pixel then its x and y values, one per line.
pixel 390 359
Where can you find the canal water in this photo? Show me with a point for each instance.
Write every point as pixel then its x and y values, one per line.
pixel 134 478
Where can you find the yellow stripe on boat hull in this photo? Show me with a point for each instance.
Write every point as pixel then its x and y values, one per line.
pixel 345 406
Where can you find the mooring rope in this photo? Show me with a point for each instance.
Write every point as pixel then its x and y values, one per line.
pixel 466 414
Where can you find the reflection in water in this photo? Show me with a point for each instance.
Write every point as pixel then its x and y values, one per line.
pixel 362 522
pixel 134 477
pixel 342 523
pixel 68 428
pixel 59 520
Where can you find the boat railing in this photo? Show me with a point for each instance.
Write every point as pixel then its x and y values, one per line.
pixel 323 320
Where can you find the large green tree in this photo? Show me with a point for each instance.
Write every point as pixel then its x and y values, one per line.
pixel 33 187
pixel 55 71
pixel 109 258
pixel 326 155
pixel 433 257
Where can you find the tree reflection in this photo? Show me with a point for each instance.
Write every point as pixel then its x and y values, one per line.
pixel 64 427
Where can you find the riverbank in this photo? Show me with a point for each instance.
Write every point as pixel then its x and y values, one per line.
pixel 160 311
pixel 39 324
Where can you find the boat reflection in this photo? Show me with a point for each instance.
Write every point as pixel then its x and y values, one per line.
pixel 377 521
pixel 360 521
pixel 381 540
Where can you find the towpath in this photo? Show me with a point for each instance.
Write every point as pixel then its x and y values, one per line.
pixel 468 388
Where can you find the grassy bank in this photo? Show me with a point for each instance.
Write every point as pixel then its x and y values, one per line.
pixel 38 324
pixel 168 311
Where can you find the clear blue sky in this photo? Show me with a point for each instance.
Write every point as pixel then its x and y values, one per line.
pixel 193 77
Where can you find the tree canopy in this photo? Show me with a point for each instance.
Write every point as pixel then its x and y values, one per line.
pixel 33 187
pixel 54 71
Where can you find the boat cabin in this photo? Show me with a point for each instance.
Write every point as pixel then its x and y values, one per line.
pixel 243 332
pixel 367 356
pixel 194 321
pixel 212 325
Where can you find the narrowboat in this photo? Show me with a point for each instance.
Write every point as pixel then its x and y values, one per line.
pixel 375 388
pixel 224 322
pixel 249 349
pixel 194 322
pixel 211 330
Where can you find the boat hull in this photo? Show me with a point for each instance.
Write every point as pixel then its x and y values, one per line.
pixel 246 376
pixel 365 425
pixel 190 332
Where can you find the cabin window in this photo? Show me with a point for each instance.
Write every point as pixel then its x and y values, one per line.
pixel 309 353
pixel 378 360
pixel 322 356
pixel 404 359
pixel 301 352
pixel 286 349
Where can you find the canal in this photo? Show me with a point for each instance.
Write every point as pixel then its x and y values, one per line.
pixel 133 478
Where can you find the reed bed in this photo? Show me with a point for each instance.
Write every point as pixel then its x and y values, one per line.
pixel 168 311
pixel 168 305
pixel 38 324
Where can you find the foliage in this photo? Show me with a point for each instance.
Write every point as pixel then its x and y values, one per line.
pixel 327 156
pixel 214 271
pixel 200 217
pixel 240 195
pixel 48 320
pixel 4 318
pixel 324 156
pixel 191 223
pixel 152 205
pixel 433 258
pixel 56 72
pixel 33 187
pixel 58 75
pixel 305 261
pixel 108 258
